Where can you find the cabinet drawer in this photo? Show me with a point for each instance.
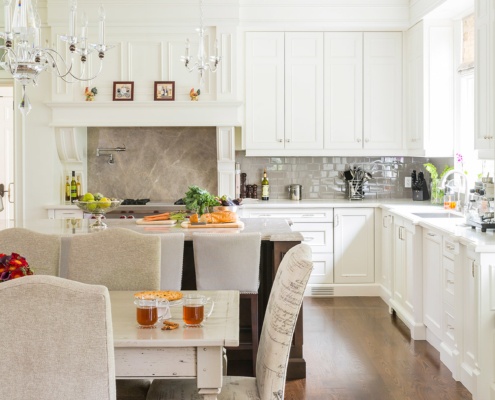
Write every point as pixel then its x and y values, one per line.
pixel 63 214
pixel 448 281
pixel 317 235
pixel 322 268
pixel 450 248
pixel 294 214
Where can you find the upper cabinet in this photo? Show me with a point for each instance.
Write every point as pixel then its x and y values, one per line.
pixel 334 93
pixel 430 89
pixel 484 75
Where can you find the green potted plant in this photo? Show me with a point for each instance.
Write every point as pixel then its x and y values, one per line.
pixel 436 193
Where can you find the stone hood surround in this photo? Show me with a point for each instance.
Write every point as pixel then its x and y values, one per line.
pixel 149 113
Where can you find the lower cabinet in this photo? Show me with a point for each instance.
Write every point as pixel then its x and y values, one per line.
pixel 64 213
pixel 354 258
pixel 407 284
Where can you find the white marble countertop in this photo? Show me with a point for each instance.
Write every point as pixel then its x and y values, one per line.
pixel 273 229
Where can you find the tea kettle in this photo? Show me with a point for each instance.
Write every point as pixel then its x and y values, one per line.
pixel 295 192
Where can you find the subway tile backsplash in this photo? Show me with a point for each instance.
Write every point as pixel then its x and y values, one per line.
pixel 319 176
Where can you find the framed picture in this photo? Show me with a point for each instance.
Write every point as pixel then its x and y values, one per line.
pixel 165 91
pixel 123 91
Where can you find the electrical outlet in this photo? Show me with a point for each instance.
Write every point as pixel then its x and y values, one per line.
pixel 407 182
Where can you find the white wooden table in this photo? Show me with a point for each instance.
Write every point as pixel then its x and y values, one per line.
pixel 195 353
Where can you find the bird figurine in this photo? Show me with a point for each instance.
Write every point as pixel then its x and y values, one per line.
pixel 90 94
pixel 194 94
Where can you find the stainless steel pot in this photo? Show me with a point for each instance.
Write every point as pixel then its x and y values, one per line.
pixel 295 192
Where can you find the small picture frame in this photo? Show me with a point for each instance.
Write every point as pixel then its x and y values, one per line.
pixel 164 91
pixel 123 91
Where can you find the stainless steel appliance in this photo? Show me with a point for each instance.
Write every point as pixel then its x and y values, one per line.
pixel 140 210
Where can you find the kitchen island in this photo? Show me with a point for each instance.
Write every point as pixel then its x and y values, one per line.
pixel 277 238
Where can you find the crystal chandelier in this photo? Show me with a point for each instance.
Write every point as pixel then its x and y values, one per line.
pixel 25 58
pixel 201 64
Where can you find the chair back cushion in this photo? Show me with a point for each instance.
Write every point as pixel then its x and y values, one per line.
pixel 281 315
pixel 58 340
pixel 227 261
pixel 117 258
pixel 172 257
pixel 41 251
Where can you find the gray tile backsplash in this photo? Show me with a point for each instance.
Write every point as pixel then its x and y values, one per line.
pixel 319 176
pixel 159 163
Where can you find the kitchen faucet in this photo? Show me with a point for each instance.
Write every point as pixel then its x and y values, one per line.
pixel 466 189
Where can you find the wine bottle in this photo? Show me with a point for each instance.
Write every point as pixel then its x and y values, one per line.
pixel 265 187
pixel 67 188
pixel 73 187
pixel 78 187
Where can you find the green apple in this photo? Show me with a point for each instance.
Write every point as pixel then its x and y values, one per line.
pixel 91 206
pixel 98 196
pixel 88 197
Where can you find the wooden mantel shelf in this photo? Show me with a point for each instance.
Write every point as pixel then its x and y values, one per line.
pixel 146 113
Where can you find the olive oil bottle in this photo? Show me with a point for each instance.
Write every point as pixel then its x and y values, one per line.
pixel 67 188
pixel 265 187
pixel 73 187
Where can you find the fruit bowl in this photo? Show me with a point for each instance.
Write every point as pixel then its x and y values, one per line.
pixel 98 208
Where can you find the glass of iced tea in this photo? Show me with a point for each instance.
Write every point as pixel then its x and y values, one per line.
pixel 147 314
pixel 193 309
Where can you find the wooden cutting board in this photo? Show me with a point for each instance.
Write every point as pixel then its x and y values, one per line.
pixel 237 224
pixel 168 222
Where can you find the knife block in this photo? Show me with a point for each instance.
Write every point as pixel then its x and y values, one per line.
pixel 421 194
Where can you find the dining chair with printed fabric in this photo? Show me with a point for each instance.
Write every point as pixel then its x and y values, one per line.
pixel 41 251
pixel 231 262
pixel 60 340
pixel 283 308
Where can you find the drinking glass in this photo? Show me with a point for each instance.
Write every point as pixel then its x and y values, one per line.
pixel 147 311
pixel 193 310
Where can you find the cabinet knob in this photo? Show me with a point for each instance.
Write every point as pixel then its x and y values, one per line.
pixel 279 140
pixel 358 140
pixel 366 140
pixel 287 140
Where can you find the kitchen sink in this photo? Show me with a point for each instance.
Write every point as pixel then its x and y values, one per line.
pixel 437 215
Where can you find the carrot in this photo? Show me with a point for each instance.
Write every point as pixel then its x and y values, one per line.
pixel 157 217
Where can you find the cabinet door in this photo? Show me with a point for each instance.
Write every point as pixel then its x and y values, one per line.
pixel 469 354
pixel 343 90
pixel 432 283
pixel 382 90
pixel 484 123
pixel 304 90
pixel 264 90
pixel 354 247
pixel 399 271
pixel 387 261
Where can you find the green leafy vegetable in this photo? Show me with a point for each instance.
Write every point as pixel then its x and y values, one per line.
pixel 199 200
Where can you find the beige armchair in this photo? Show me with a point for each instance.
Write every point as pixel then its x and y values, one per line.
pixel 276 337
pixel 41 251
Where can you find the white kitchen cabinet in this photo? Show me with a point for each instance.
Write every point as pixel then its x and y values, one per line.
pixel 354 260
pixel 316 226
pixel 407 293
pixel 470 370
pixel 484 74
pixel 432 286
pixel 303 90
pixel 343 90
pixel 284 90
pixel 382 104
pixel 308 93
pixel 265 64
pixel 430 88
pixel 387 255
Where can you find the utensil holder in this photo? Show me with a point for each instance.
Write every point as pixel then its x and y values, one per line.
pixel 354 189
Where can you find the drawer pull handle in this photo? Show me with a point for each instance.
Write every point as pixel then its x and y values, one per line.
pixel 308 215
pixel 450 247
pixel 431 234
pixel 450 327
pixel 265 215
pixel 450 281
pixel 309 239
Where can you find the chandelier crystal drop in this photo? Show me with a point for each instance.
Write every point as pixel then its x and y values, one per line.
pixel 203 62
pixel 25 58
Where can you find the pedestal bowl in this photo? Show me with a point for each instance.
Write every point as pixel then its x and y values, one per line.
pixel 97 209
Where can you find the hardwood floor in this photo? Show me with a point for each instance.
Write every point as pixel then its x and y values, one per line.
pixel 356 350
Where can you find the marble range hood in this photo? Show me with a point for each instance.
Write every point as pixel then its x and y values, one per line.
pixel 70 117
